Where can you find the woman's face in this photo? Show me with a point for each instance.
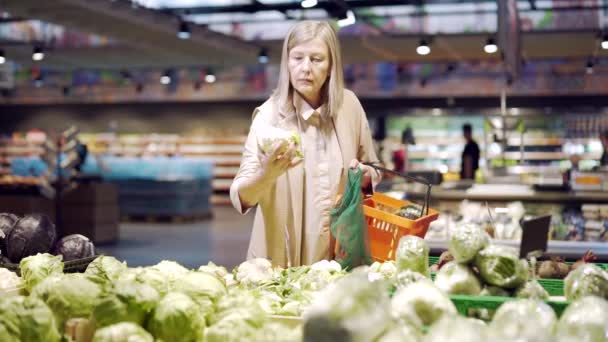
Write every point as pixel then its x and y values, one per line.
pixel 309 68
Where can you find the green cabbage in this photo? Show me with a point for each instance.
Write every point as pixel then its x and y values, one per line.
pixel 111 310
pixel 122 332
pixel 232 328
pixel 201 286
pixel 466 241
pixel 104 270
pixel 413 254
pixel 532 289
pixel 523 320
pixel 584 320
pixel 244 303
pixel 7 335
pixel 69 296
pixel 171 270
pixel 455 328
pixel 37 267
pixel 352 306
pixel 500 266
pixel 455 278
pixel 587 280
pixel 177 318
pixel 27 319
pixel 423 299
pixel 148 276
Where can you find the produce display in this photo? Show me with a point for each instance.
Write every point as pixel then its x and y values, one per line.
pixel 32 234
pixel 387 301
pixel 555 268
pixel 589 223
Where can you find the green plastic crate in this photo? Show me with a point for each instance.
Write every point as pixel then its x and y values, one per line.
pixel 464 304
pixel 555 287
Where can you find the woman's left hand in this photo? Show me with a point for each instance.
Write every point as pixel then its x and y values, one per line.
pixel 366 181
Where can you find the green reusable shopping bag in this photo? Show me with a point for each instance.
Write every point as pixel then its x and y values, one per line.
pixel 348 225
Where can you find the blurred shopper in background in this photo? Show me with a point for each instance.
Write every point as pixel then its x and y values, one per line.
pixel 470 156
pixel 604 140
pixel 294 196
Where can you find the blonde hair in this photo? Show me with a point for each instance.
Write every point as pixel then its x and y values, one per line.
pixel 333 89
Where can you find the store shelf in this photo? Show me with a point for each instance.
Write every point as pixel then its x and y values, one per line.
pixel 565 249
pixel 539 156
pixel 531 196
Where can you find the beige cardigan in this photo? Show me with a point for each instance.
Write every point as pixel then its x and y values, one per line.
pixel 281 206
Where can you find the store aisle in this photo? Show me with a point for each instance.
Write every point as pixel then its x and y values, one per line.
pixel 223 240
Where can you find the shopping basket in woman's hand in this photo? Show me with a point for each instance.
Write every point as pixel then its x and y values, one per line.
pixel 384 226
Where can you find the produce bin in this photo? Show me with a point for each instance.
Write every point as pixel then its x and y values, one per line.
pixel 465 303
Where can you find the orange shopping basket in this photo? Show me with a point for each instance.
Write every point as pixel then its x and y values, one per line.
pixel 385 228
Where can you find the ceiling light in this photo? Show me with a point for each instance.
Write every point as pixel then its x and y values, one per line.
pixel 38 54
pixel 210 77
pixel 184 30
pixel 605 41
pixel 2 57
pixel 348 20
pixel 423 49
pixel 263 56
pixel 589 68
pixel 308 3
pixel 490 46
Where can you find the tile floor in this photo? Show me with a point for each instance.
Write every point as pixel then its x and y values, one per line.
pixel 222 239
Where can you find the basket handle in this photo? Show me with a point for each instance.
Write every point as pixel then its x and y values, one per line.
pixel 427 196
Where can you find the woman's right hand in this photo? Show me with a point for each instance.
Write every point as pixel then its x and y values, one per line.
pixel 281 159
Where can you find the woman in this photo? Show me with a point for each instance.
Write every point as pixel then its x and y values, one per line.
pixel 294 195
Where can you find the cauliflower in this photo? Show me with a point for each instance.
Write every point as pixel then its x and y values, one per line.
pixel 324 265
pixel 9 281
pixel 385 270
pixel 254 271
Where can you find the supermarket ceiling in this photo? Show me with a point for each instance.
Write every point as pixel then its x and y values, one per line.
pixel 121 34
